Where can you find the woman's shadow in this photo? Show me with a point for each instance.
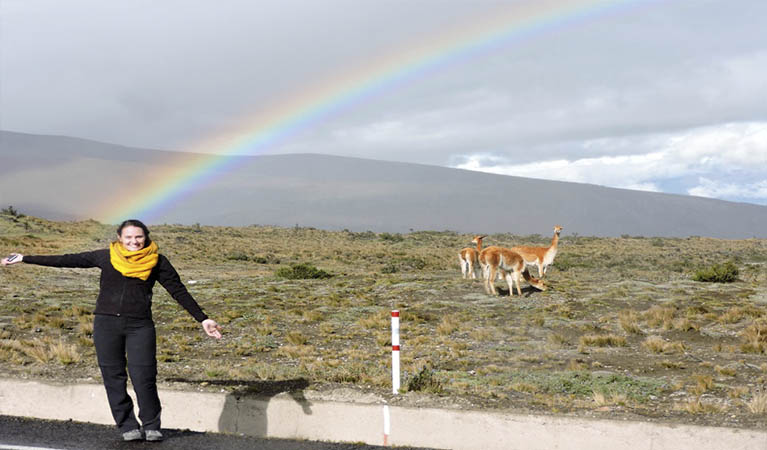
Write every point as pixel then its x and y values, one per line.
pixel 245 407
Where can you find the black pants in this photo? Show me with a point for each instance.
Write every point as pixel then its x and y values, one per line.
pixel 115 337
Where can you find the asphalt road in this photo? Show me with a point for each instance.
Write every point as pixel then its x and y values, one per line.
pixel 17 433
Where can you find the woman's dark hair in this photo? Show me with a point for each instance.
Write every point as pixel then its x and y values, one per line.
pixel 135 223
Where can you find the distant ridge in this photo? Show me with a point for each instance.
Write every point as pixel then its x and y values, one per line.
pixel 67 178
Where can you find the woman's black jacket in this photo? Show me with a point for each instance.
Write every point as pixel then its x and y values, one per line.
pixel 125 296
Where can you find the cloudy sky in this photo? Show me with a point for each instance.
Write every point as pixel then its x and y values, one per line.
pixel 666 96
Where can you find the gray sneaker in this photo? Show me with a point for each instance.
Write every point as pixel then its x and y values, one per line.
pixel 132 435
pixel 153 435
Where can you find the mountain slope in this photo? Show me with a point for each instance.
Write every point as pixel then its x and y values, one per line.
pixel 65 178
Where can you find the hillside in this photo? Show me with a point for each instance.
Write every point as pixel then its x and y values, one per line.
pixel 66 178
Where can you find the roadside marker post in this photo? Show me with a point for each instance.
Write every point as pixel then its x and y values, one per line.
pixel 395 351
pixel 395 378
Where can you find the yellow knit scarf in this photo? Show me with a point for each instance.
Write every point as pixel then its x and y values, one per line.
pixel 138 264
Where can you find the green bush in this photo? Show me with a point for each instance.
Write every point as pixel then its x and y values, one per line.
pixel 302 271
pixel 391 237
pixel 718 273
pixel 237 256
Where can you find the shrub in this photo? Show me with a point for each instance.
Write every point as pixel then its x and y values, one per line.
pixel 396 237
pixel 411 263
pixel 268 259
pixel 237 256
pixel 718 273
pixel 303 271
pixel 425 381
pixel 11 211
pixel 390 268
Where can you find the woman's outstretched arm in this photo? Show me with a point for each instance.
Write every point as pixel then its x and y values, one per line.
pixel 13 258
pixel 76 260
pixel 171 281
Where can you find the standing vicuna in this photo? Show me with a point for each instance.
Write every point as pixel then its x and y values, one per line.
pixel 542 257
pixel 468 257
pixel 511 266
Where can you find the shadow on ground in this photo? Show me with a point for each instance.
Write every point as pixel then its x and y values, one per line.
pixel 245 407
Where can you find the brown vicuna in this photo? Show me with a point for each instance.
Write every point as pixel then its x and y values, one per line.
pixel 511 266
pixel 542 257
pixel 468 257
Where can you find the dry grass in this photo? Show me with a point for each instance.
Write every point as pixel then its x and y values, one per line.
pixel 602 340
pixel 758 403
pixel 726 371
pixel 660 317
pixel 629 321
pixel 605 314
pixel 697 406
pixel 602 399
pixel 656 344
pixel 754 337
pixel 703 383
pixel 448 325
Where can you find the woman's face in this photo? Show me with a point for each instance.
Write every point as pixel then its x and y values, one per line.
pixel 132 238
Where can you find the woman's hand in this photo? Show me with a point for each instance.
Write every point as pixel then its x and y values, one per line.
pixel 211 328
pixel 13 258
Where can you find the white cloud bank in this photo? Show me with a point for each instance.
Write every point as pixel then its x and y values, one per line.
pixel 726 161
pixel 717 189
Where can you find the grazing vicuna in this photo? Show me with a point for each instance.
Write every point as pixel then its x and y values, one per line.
pixel 542 257
pixel 511 266
pixel 469 258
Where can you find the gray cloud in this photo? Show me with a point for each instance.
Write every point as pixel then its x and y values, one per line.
pixel 619 84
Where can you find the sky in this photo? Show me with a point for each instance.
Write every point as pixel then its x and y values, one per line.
pixel 666 96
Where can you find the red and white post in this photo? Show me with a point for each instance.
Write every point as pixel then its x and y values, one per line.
pixel 395 351
pixel 394 372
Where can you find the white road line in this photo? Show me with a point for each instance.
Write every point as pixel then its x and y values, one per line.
pixel 23 447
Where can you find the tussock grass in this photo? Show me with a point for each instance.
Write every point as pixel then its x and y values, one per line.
pixel 754 337
pixel 726 371
pixel 603 399
pixel 46 350
pixel 758 403
pixel 296 338
pixel 602 340
pixel 703 383
pixel 660 317
pixel 65 353
pixel 448 325
pixel 696 406
pixel 629 321
pixel 656 344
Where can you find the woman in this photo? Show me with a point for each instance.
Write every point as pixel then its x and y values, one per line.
pixel 123 323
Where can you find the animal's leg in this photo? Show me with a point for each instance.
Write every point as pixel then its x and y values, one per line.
pixel 510 282
pixel 491 281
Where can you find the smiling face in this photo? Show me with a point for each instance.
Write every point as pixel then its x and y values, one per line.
pixel 132 238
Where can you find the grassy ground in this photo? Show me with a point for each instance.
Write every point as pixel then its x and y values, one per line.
pixel 622 330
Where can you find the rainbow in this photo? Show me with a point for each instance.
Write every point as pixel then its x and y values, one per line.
pixel 277 123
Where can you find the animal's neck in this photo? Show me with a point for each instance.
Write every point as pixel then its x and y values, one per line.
pixel 554 241
pixel 479 245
